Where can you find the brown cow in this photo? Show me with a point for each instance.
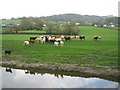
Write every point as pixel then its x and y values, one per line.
pixel 32 41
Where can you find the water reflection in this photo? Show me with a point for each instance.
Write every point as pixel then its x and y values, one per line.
pixel 34 73
pixel 16 78
pixel 8 70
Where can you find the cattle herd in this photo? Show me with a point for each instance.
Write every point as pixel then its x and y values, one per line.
pixel 56 40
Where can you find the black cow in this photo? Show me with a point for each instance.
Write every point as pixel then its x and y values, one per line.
pixel 33 38
pixel 8 52
pixel 67 38
pixel 96 37
pixel 82 37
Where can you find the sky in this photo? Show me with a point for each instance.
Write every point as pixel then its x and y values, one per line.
pixel 37 8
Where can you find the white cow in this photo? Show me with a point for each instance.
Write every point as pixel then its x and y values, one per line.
pixel 56 43
pixel 58 39
pixel 99 37
pixel 26 43
pixel 43 39
pixel 61 43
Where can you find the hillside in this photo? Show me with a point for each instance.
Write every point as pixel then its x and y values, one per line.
pixel 75 18
pixel 66 17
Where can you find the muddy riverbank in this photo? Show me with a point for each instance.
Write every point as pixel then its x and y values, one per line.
pixel 74 69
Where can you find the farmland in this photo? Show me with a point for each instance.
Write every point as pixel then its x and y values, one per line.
pixel 100 55
pixel 102 52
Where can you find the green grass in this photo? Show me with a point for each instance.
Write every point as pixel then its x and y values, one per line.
pixel 9 21
pixel 6 29
pixel 101 53
pixel 32 31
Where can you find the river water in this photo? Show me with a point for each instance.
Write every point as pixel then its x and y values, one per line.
pixel 18 78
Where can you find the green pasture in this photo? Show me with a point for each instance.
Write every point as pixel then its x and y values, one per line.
pixel 9 21
pixel 32 31
pixel 99 53
pixel 6 29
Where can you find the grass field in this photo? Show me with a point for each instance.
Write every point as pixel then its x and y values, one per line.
pixel 32 31
pixel 100 53
pixel 9 21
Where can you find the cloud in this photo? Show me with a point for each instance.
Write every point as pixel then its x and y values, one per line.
pixel 18 79
pixel 20 8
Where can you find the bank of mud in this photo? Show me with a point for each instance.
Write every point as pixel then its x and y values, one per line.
pixel 111 74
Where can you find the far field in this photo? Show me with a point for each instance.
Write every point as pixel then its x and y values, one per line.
pixel 101 53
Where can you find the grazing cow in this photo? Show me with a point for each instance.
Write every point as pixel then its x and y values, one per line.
pixel 42 39
pixel 56 43
pixel 77 36
pixel 82 37
pixel 8 70
pixel 96 37
pixel 32 41
pixel 7 52
pixel 46 38
pixel 72 37
pixel 67 38
pixel 62 36
pixel 58 39
pixel 26 43
pixel 33 38
pixel 51 39
pixel 99 37
pixel 38 39
pixel 61 43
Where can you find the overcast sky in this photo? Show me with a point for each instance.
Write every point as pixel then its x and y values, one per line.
pixel 20 8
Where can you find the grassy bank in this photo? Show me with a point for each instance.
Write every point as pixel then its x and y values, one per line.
pixel 102 54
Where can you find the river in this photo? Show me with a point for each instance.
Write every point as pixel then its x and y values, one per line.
pixel 18 78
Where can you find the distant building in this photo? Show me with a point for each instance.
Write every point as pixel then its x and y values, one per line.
pixel 104 25
pixel 112 25
pixel 44 25
pixel 77 23
pixel 95 25
pixel 2 25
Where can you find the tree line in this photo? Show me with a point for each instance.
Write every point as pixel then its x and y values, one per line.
pixel 40 25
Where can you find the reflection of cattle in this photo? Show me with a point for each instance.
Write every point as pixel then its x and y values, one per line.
pixel 82 37
pixel 96 37
pixel 32 72
pixel 8 52
pixel 29 72
pixel 33 38
pixel 8 70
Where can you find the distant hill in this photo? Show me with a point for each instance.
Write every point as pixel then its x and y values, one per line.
pixel 75 18
pixel 70 17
